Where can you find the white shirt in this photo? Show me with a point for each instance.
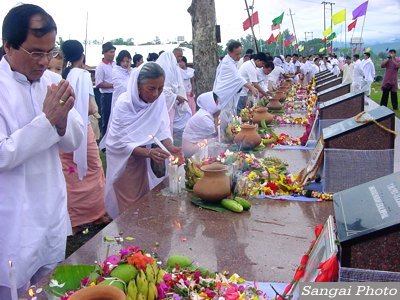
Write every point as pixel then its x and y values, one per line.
pixel 187 75
pixel 348 70
pixel 103 73
pixel 358 72
pixel 34 220
pixel 248 71
pixel 369 70
pixel 276 75
pixel 227 81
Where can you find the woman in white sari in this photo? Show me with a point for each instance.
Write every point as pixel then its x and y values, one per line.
pixel 202 126
pixel 138 114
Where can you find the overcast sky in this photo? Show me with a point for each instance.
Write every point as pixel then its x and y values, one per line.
pixel 143 20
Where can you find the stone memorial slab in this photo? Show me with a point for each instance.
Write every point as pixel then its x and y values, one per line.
pixel 353 133
pixel 343 107
pixel 368 224
pixel 328 84
pixel 324 79
pixel 319 74
pixel 333 92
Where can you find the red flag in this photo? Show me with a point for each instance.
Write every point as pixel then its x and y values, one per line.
pixel 286 43
pixel 354 49
pixel 325 41
pixel 271 39
pixel 363 49
pixel 295 46
pixel 274 27
pixel 329 49
pixel 352 25
pixel 277 37
pixel 254 18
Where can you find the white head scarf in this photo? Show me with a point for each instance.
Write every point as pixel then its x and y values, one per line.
pixel 206 102
pixel 278 61
pixel 133 122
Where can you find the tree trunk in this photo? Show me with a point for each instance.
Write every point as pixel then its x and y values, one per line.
pixel 205 56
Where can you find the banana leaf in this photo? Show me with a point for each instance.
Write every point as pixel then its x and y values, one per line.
pixel 68 278
pixel 207 205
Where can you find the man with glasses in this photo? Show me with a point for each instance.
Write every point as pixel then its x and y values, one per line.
pixel 37 120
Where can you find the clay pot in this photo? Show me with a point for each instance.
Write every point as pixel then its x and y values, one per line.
pixel 214 185
pixel 98 292
pixel 274 104
pixel 281 96
pixel 261 113
pixel 248 137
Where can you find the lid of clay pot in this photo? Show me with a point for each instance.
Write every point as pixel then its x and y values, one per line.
pixel 261 109
pixel 247 126
pixel 99 292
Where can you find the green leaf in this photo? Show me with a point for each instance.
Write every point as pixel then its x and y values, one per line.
pixel 211 206
pixel 70 276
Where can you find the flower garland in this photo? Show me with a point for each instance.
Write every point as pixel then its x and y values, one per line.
pixel 328 269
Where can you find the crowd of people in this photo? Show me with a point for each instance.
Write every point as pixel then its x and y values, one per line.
pixel 51 176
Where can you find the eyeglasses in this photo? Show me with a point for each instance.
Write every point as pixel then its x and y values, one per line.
pixel 39 55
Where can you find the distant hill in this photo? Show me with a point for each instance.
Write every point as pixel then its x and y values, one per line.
pixel 378 46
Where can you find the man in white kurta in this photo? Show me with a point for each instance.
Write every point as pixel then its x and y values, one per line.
pixel 37 120
pixel 369 72
pixel 358 85
pixel 348 70
pixel 228 84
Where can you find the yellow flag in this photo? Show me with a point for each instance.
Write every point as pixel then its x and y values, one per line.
pixel 339 17
pixel 301 48
pixel 322 50
pixel 327 32
pixel 368 49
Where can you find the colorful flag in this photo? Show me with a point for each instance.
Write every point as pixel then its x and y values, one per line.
pixel 360 10
pixel 286 43
pixel 278 20
pixel 329 49
pixel 295 46
pixel 352 25
pixel 327 32
pixel 278 37
pixel 368 49
pixel 331 36
pixel 321 50
pixel 354 49
pixel 254 18
pixel 324 41
pixel 339 17
pixel 275 27
pixel 271 39
pixel 290 38
pixel 301 48
pixel 363 50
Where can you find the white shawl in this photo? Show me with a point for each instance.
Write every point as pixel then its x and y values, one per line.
pixel 228 81
pixel 80 81
pixel 132 124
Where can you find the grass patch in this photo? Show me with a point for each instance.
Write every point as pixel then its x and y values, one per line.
pixel 376 95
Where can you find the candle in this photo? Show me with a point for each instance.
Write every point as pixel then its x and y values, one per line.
pixel 181 177
pixel 13 281
pixel 173 176
pixel 157 141
pixel 219 131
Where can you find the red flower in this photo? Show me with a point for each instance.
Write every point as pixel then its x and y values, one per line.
pixel 139 260
pixel 329 270
pixel 304 260
pixel 299 274
pixel 318 230
pixel 273 186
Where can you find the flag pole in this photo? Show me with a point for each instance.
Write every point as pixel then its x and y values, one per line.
pixel 362 29
pixel 87 18
pixel 251 24
pixel 294 30
pixel 345 35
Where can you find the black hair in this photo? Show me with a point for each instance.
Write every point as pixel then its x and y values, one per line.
pixel 215 96
pixel 356 56
pixel 269 64
pixel 249 51
pixel 260 56
pixel 2 52
pixel 295 55
pixel 392 50
pixel 367 54
pixel 161 52
pixel 234 45
pixel 136 58
pixel 269 57
pixel 288 55
pixel 348 57
pixel 121 55
pixel 184 59
pixel 16 24
pixel 152 56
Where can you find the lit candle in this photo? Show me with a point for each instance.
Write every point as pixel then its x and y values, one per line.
pixel 13 281
pixel 173 176
pixel 157 141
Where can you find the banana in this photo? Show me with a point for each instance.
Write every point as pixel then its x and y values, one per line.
pixel 150 274
pixel 160 276
pixel 152 294
pixel 132 291
pixel 142 284
pixel 141 297
pixel 197 172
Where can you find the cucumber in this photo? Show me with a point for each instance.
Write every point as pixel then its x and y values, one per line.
pixel 232 205
pixel 243 202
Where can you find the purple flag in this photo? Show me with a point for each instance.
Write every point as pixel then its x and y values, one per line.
pixel 360 10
